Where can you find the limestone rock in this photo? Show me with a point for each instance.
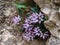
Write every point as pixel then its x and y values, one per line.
pixel 10 11
pixel 53 24
pixel 50 7
pixel 10 41
pixel 6 35
pixel 47 5
pixel 44 5
pixel 0 37
pixel 1 43
pixel 7 38
pixel 52 10
pixel 53 41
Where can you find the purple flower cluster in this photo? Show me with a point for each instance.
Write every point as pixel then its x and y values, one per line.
pixel 30 31
pixel 34 18
pixel 16 19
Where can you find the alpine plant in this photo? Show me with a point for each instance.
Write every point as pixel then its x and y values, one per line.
pixel 31 31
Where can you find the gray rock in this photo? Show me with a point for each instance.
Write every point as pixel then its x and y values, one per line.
pixel 53 24
pixel 53 41
pixel 50 7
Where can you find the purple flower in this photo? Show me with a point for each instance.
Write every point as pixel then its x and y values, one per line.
pixel 44 35
pixel 16 19
pixel 37 31
pixel 31 32
pixel 40 17
pixel 27 20
pixel 34 18
pixel 26 25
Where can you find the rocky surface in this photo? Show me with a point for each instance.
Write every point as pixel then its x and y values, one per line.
pixel 9 34
pixel 53 41
pixel 14 38
pixel 51 9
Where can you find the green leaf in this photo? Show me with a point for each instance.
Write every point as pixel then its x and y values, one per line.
pixel 20 11
pixel 35 9
pixel 20 6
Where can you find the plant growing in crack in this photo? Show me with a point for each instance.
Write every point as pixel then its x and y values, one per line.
pixel 32 22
